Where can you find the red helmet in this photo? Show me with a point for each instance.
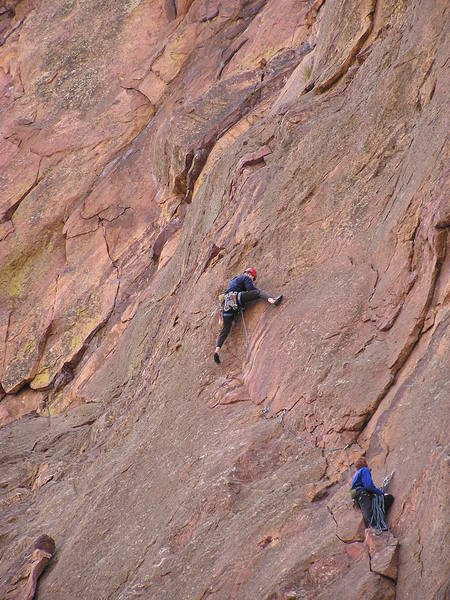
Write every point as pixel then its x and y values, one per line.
pixel 251 271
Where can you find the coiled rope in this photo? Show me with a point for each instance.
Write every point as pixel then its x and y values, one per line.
pixel 377 522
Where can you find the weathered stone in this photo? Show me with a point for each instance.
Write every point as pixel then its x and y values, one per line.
pixel 21 580
pixel 356 550
pixel 338 44
pixel 74 323
pixel 153 87
pixel 18 176
pixel 161 149
pixel 14 406
pixel 46 473
pixel 295 86
pixel 383 552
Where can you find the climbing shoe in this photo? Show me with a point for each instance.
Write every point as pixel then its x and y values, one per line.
pixel 278 299
pixel 216 358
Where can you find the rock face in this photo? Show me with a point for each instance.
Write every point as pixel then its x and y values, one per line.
pixel 383 552
pixel 149 151
pixel 21 581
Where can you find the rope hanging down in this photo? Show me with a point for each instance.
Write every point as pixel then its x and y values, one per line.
pixel 245 329
pixel 378 514
pixel 378 520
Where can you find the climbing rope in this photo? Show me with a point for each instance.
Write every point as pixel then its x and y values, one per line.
pixel 245 329
pixel 377 522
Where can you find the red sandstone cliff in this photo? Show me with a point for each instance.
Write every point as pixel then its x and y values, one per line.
pixel 151 149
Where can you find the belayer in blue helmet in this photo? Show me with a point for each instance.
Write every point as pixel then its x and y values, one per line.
pixel 240 290
pixel 363 490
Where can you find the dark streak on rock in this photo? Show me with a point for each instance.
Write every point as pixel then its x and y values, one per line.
pixel 15 28
pixel 171 9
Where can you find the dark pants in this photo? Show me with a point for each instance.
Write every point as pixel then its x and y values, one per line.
pixel 365 504
pixel 244 298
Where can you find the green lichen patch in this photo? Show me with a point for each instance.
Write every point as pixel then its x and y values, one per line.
pixel 20 272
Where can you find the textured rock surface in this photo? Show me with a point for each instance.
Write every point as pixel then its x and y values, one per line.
pixel 149 151
pixel 21 580
pixel 383 552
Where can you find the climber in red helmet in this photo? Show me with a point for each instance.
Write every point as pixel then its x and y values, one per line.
pixel 239 292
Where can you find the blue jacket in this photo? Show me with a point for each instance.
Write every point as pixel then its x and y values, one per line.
pixel 241 283
pixel 363 478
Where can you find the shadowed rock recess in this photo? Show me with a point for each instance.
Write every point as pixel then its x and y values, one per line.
pixel 150 150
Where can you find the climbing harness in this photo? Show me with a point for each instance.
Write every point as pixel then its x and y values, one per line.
pixel 230 302
pixel 354 492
